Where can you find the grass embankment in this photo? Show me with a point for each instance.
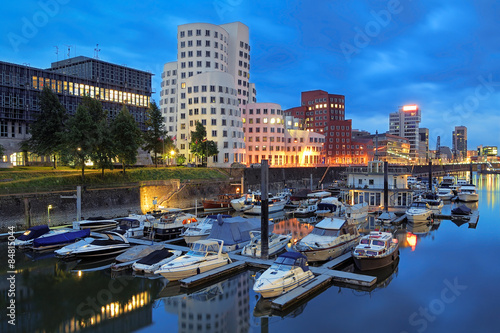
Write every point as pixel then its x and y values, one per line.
pixel 34 179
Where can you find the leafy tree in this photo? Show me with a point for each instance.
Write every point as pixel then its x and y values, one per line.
pixel 126 136
pixel 199 145
pixel 80 137
pixel 47 132
pixel 2 150
pixel 155 134
pixel 181 159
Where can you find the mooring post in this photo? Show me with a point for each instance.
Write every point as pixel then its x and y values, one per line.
pixel 78 203
pixel 264 218
pixel 430 176
pixel 471 173
pixel 386 186
pixel 311 181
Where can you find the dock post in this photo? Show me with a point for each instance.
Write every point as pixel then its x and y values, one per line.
pixel 311 181
pixel 78 203
pixel 264 218
pixel 430 176
pixel 242 184
pixel 471 173
pixel 386 186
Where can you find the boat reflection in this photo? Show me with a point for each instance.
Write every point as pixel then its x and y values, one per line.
pixel 384 276
pixel 263 309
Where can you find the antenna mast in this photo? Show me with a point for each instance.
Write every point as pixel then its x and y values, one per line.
pixel 96 51
pixel 57 53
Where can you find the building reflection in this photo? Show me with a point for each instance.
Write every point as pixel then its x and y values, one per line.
pixel 293 226
pixel 223 307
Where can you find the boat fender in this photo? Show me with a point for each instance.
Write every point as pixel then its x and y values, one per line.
pixel 198 270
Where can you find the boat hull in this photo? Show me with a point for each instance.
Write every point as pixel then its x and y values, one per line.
pixel 180 273
pixel 367 263
pixel 468 197
pixel 189 239
pixel 331 252
pixel 277 290
pixel 421 217
pixel 101 252
pixel 273 208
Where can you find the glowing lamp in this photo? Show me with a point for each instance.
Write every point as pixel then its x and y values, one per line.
pixel 412 240
pixel 410 108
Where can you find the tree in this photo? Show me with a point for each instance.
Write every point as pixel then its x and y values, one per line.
pixel 2 150
pixel 80 137
pixel 199 145
pixel 155 134
pixel 126 136
pixel 47 132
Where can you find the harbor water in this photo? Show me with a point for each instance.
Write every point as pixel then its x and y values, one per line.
pixel 446 280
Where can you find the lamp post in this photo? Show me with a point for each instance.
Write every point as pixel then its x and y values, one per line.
pixel 49 207
pixel 172 154
pixel 296 150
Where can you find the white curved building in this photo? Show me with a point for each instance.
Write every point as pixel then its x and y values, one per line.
pixel 208 83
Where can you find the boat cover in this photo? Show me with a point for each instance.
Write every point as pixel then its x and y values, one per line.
pixel 62 238
pixel 298 258
pixel 155 257
pixel 234 230
pixel 138 252
pixel 34 232
pixel 461 210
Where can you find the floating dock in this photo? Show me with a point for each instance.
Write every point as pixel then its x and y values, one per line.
pixel 213 274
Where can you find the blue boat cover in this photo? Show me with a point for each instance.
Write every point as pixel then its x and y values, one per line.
pixel 63 238
pixel 461 210
pixel 295 258
pixel 155 257
pixel 234 230
pixel 34 232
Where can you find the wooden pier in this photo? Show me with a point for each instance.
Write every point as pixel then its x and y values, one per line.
pixel 213 274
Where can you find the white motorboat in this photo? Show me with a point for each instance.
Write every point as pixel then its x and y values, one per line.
pixel 251 203
pixel 36 232
pixel 112 246
pixel 201 230
pixel 306 208
pixel 170 225
pixel 385 218
pixel 329 239
pixel 95 224
pixel 277 243
pixel 357 213
pixel 66 252
pixel 288 271
pixel 418 212
pixel 433 201
pixel 128 258
pixel 153 261
pixel 375 250
pixel 468 193
pixel 203 256
pixel 133 225
pixel 445 193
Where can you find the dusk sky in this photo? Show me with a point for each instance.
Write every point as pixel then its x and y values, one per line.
pixel 442 55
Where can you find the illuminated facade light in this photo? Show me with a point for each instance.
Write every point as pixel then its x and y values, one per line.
pixel 410 108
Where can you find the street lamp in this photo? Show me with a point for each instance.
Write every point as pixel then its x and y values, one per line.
pixel 49 207
pixel 172 154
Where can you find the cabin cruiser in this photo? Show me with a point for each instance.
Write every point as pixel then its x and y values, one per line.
pixel 418 212
pixel 170 225
pixel 375 250
pixel 133 225
pixel 433 201
pixel 234 231
pixel 445 193
pixel 53 241
pixel 95 224
pixel 330 206
pixel 112 246
pixel 221 203
pixel 288 271
pixel 200 231
pixel 468 193
pixel 357 213
pixel 306 208
pixel 203 256
pixel 277 243
pixel 251 203
pixel 329 239
pixel 153 261
pixel 125 260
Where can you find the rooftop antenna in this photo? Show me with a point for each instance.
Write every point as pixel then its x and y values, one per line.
pixel 69 50
pixel 96 51
pixel 57 53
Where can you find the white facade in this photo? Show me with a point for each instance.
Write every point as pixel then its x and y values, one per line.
pixel 210 85
pixel 405 123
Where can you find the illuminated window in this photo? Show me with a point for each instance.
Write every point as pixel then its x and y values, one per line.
pixel 264 120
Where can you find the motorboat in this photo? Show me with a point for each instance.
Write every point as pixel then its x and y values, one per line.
pixel 468 193
pixel 251 203
pixel 95 224
pixel 329 239
pixel 200 231
pixel 277 243
pixel 204 255
pixel 133 225
pixel 418 212
pixel 385 218
pixel 170 225
pixel 66 252
pixel 445 193
pixel 434 202
pixel 306 208
pixel 153 261
pixel 53 241
pixel 113 245
pixel 234 231
pixel 375 250
pixel 330 206
pixel 448 181
pixel 39 231
pixel 357 213
pixel 288 271
pixel 221 203
pixel 125 260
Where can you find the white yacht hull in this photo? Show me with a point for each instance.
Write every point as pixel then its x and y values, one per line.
pixel 468 197
pixel 279 288
pixel 330 252
pixel 179 273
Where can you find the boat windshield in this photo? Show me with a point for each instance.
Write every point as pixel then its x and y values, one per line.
pixel 198 249
pixel 377 242
pixel 283 264
pixel 325 232
pixel 365 241
pixel 419 204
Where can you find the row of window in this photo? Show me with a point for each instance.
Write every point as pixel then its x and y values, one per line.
pixel 199 53
pixel 222 111
pixel 213 122
pixel 265 120
pixel 264 111
pixel 264 139
pixel 213 99
pixel 334 111
pixel 225 134
pixel 321 106
pixel 338 140
pixel 79 89
pixel 199 43
pixel 324 99
pixel 208 33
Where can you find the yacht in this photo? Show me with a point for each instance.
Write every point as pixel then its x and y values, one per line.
pixel 357 213
pixel 221 203
pixel 133 225
pixel 376 250
pixel 445 193
pixel 170 225
pixel 234 232
pixel 200 231
pixel 288 271
pixel 251 203
pixel 418 212
pixel 434 202
pixel 468 193
pixel 66 252
pixel 306 208
pixel 112 246
pixel 153 261
pixel 203 256
pixel 277 243
pixel 330 238
pixel 95 224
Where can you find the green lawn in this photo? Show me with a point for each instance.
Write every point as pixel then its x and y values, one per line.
pixel 28 179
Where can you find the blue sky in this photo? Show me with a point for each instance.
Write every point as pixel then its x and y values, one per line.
pixel 442 55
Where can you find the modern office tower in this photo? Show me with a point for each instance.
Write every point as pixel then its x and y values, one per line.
pixel 71 79
pixel 423 145
pixel 209 83
pixel 324 113
pixel 405 123
pixel 459 143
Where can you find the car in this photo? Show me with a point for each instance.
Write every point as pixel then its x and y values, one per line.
pixel 255 165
